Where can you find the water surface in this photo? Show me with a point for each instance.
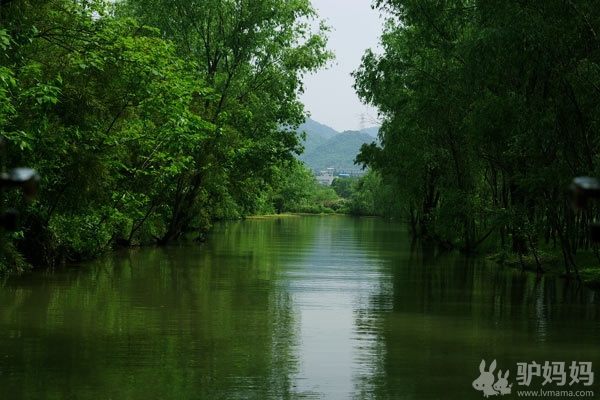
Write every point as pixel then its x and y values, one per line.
pixel 286 308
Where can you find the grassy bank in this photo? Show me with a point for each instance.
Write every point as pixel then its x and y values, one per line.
pixel 552 262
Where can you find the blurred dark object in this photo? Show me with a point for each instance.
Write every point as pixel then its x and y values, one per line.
pixel 584 188
pixel 595 232
pixel 9 220
pixel 26 179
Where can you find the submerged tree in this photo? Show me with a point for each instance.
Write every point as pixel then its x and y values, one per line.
pixel 253 55
pixel 142 131
pixel 490 109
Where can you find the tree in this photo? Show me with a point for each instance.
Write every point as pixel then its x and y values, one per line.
pixel 489 109
pixel 144 133
pixel 253 55
pixel 103 110
pixel 343 186
pixel 297 188
pixel 424 146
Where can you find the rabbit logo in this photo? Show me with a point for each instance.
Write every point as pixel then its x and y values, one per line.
pixel 485 382
pixel 501 384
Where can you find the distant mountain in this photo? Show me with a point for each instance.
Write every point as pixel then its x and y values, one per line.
pixel 317 129
pixel 372 131
pixel 327 148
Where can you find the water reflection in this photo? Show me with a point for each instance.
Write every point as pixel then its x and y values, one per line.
pixel 163 323
pixel 290 308
pixel 442 315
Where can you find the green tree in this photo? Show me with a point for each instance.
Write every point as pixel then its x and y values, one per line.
pixel 425 148
pixel 103 109
pixel 372 195
pixel 147 120
pixel 253 55
pixel 343 186
pixel 489 112
pixel 296 189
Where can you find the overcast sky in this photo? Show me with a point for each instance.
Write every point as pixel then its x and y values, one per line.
pixel 329 96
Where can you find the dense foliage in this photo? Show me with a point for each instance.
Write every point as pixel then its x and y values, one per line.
pixel 490 109
pixel 149 119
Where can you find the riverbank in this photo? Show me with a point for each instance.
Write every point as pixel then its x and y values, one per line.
pixel 552 263
pixel 551 260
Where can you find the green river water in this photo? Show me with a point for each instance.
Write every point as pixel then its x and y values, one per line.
pixel 315 307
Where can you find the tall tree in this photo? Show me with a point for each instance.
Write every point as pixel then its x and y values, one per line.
pixel 149 119
pixel 102 108
pixel 490 109
pixel 253 55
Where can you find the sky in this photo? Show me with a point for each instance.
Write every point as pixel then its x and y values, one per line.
pixel 328 94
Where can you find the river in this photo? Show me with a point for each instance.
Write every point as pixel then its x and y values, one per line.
pixel 312 307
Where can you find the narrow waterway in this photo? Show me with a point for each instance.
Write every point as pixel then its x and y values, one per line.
pixel 322 307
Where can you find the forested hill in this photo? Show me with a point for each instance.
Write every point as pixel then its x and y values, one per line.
pixel 325 147
pixel 316 129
